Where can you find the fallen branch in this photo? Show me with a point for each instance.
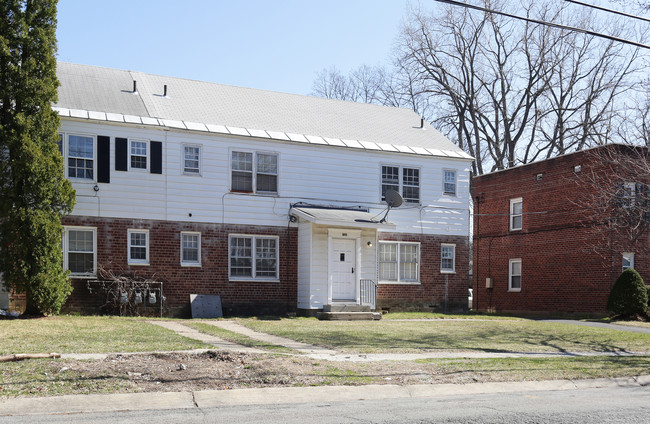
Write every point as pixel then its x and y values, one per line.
pixel 20 356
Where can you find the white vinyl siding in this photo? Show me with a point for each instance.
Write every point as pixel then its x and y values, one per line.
pixel 514 275
pixel 399 262
pixel 448 258
pixel 190 249
pixel 138 247
pixel 516 214
pixel 253 257
pixel 80 251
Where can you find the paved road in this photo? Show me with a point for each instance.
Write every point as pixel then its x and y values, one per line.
pixel 593 406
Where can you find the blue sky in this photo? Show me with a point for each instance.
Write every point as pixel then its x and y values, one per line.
pixel 275 45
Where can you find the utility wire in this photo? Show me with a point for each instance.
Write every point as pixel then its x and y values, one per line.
pixel 550 24
pixel 593 6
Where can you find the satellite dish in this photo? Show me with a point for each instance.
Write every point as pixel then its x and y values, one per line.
pixel 393 200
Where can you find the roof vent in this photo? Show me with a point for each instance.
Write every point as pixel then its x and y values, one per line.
pixel 135 87
pixel 421 122
pixel 165 90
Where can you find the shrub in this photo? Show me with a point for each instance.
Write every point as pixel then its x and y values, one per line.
pixel 629 296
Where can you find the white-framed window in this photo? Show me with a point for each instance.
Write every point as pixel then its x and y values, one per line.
pixel 138 245
pixel 254 172
pixel 516 214
pixel 628 260
pixel 399 262
pixel 190 248
pixel 449 182
pixel 80 251
pixel 81 157
pixel 514 275
pixel 403 180
pixel 138 154
pixel 253 257
pixel 447 258
pixel 628 197
pixel 192 159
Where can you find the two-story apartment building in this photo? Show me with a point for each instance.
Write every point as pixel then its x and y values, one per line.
pixel 546 236
pixel 272 201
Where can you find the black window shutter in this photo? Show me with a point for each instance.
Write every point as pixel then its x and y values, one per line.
pixel 156 157
pixel 121 158
pixel 103 159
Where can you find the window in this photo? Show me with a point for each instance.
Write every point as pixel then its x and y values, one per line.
pixel 258 170
pixel 399 262
pixel 138 247
pixel 81 157
pixel 191 159
pixel 516 214
pixel 405 181
pixel 628 260
pixel 138 154
pixel 254 257
pixel 449 184
pixel 514 278
pixel 79 247
pixel 448 258
pixel 191 249
pixel 628 196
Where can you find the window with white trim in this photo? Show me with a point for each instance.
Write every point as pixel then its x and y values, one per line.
pixel 449 182
pixel 514 275
pixel 516 214
pixel 403 180
pixel 80 251
pixel 192 160
pixel 138 244
pixel 628 195
pixel 254 172
pixel 81 157
pixel 138 156
pixel 447 258
pixel 253 257
pixel 190 249
pixel 628 260
pixel 399 262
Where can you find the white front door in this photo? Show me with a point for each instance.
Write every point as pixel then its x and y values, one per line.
pixel 343 275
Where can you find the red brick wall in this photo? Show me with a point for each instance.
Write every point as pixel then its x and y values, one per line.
pixel 237 297
pixel 568 265
pixel 437 291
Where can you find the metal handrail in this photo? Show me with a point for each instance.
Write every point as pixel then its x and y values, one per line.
pixel 368 293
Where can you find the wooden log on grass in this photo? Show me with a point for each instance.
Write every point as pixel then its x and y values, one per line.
pixel 21 356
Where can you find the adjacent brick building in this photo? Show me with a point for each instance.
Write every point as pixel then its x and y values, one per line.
pixel 544 237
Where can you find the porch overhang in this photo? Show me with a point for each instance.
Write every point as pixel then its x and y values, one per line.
pixel 333 217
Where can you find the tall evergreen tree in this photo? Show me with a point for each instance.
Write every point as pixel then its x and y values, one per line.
pixel 34 192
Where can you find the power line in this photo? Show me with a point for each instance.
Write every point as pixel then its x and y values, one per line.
pixel 593 6
pixel 550 24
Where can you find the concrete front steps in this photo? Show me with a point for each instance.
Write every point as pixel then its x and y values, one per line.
pixel 348 313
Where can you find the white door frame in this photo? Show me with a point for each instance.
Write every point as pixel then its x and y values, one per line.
pixel 338 233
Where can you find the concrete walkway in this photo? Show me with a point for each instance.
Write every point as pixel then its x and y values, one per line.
pixel 303 348
pixel 95 403
pixel 217 342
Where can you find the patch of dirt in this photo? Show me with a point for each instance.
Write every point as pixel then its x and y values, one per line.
pixel 222 370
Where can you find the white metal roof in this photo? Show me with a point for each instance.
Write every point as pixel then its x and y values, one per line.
pixel 103 94
pixel 340 217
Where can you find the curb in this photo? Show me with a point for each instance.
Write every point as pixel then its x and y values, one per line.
pixel 121 402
